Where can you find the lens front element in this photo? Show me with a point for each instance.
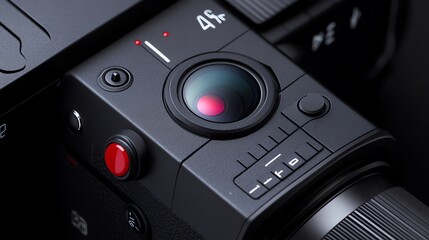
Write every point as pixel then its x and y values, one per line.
pixel 221 93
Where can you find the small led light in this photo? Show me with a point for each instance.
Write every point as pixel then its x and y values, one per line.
pixel 165 34
pixel 138 42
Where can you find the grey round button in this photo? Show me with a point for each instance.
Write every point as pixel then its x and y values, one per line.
pixel 312 104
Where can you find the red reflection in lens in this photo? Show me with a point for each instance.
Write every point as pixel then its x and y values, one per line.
pixel 211 105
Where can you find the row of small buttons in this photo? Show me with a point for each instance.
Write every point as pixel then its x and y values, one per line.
pixel 278 164
pixel 284 167
pixel 267 144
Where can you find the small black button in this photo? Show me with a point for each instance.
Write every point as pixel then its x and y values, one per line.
pixel 74 121
pixel 136 220
pixel 115 79
pixel 312 104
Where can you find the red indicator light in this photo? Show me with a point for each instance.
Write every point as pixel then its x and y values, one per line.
pixel 165 34
pixel 137 42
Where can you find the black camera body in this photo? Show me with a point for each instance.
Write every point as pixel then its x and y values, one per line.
pixel 204 123
pixel 218 125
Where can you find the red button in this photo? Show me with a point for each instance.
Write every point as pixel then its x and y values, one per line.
pixel 117 160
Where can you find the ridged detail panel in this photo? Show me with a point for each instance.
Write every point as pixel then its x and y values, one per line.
pixel 393 214
pixel 260 11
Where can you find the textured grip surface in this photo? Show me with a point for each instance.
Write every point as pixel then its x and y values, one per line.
pixel 260 11
pixel 393 214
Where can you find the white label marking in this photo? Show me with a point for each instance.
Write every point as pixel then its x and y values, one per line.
pixel 157 51
pixel 268 180
pixel 279 173
pixel 205 22
pixel 293 162
pixel 254 189
pixel 272 160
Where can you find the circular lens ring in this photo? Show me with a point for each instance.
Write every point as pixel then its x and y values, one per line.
pixel 179 111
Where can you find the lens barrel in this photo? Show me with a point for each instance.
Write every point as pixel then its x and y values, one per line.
pixel 369 209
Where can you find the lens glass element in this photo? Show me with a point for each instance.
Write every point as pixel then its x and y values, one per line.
pixel 221 92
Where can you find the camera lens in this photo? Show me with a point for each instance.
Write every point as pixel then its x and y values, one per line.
pixel 221 93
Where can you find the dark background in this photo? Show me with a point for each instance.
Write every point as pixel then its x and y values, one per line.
pixel 403 103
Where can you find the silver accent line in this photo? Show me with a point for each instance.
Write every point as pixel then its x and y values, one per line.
pixel 147 43
pixel 78 118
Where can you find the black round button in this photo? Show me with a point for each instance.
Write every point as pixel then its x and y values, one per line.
pixel 115 79
pixel 74 121
pixel 136 220
pixel 312 104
